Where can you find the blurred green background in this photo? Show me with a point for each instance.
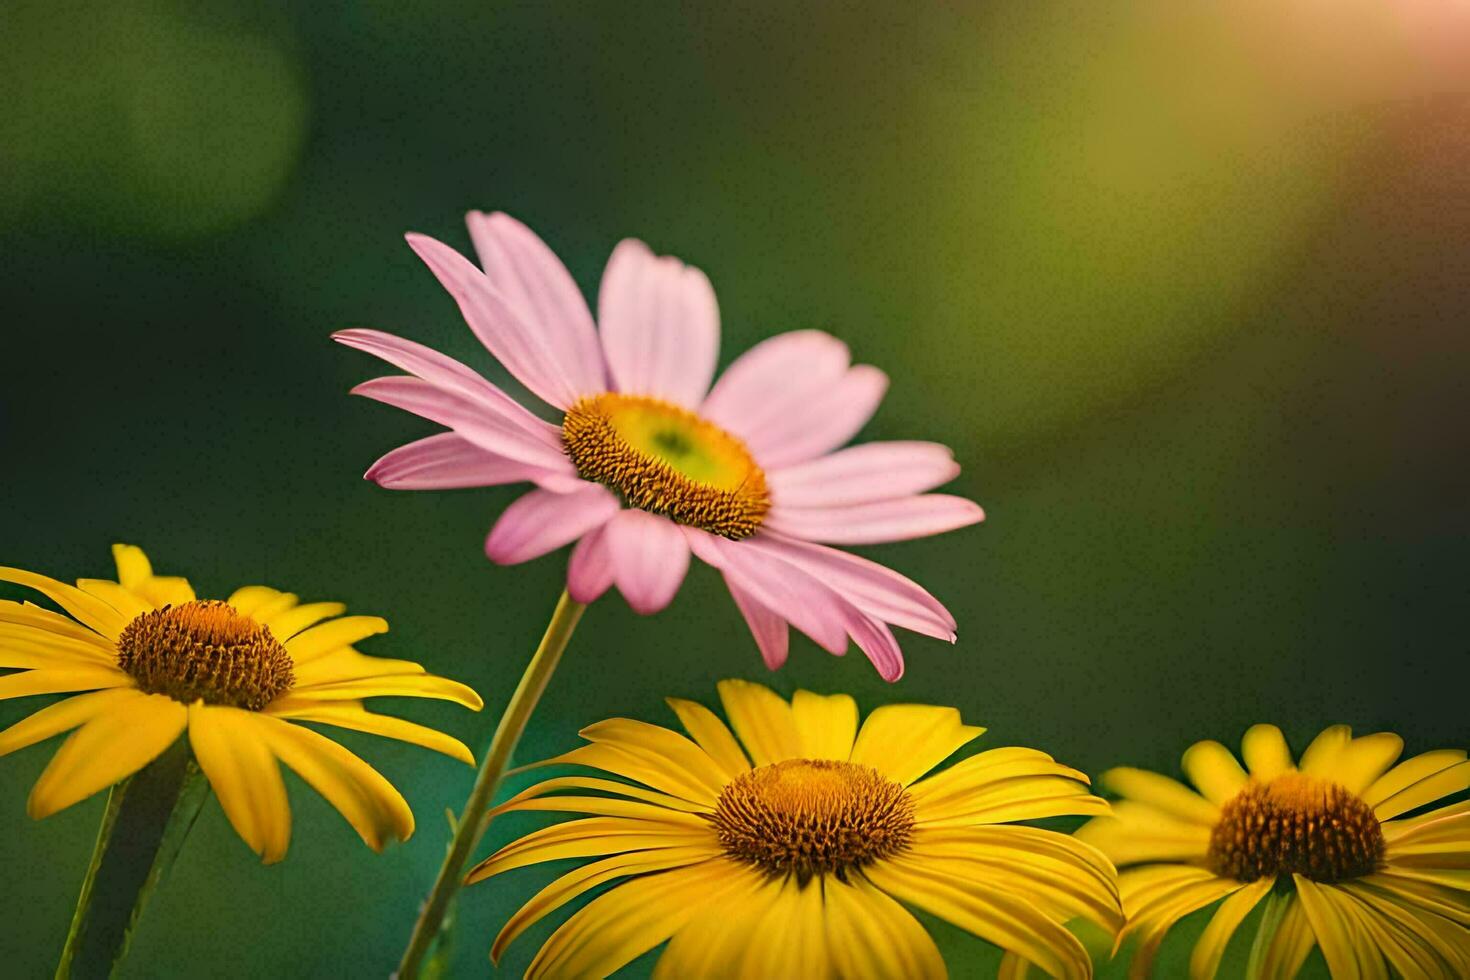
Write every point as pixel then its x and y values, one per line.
pixel 1185 288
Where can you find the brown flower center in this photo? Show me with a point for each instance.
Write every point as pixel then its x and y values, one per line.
pixel 1295 824
pixel 666 460
pixel 205 649
pixel 812 817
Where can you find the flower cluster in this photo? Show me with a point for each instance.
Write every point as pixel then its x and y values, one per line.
pixel 788 838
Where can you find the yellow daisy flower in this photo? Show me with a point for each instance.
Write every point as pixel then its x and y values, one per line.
pixel 792 850
pixel 236 674
pixel 1326 838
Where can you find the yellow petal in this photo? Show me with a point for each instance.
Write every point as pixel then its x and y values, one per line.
pixel 119 598
pixel 1013 967
pixel 659 746
pixel 1011 923
pixel 1441 784
pixel 1134 833
pixel 60 717
pixel 1213 770
pixel 601 785
pixel 622 924
pixel 712 735
pixel 1265 752
pixel 133 566
pixel 826 725
pixel 1321 757
pixel 1163 793
pixel 31 616
pixel 609 807
pixel 352 715
pixel 131 733
pixel 974 788
pixel 27 648
pixel 333 635
pixel 1431 922
pixel 981 768
pixel 1204 963
pixel 1409 772
pixel 135 573
pixel 346 664
pixel 62 680
pixel 371 805
pixel 1367 758
pixel 904 741
pixel 871 935
pixel 582 880
pixel 1059 886
pixel 1410 951
pixel 1141 887
pixel 1154 920
pixel 715 940
pixel 1347 953
pixel 89 610
pixel 251 598
pixel 762 720
pixel 287 624
pixel 244 775
pixel 792 937
pixel 643 767
pixel 167 590
pixel 590 837
pixel 1289 945
pixel 394 685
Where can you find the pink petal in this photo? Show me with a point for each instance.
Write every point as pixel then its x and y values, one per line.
pixel 649 558
pixel 783 588
pixel 440 370
pixel 805 601
pixel 546 363
pixel 860 474
pixel 477 422
pixel 660 325
pixel 769 629
pixel 823 422
pixel 538 287
pixel 448 462
pixel 773 378
pixel 877 642
pixel 876 523
pixel 590 572
pixel 541 521
pixel 876 589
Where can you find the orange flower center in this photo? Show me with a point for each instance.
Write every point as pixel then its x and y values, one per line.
pixel 1295 824
pixel 205 649
pixel 666 460
pixel 813 816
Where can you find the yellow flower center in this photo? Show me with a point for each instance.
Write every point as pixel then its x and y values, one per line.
pixel 666 460
pixel 813 816
pixel 205 649
pixel 1295 824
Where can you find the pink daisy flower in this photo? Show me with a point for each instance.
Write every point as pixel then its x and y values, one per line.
pixel 652 463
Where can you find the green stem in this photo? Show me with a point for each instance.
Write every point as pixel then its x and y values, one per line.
pixel 147 818
pixel 472 823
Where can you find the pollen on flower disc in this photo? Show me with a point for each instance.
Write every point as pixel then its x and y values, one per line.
pixel 666 460
pixel 205 649
pixel 1295 824
pixel 813 816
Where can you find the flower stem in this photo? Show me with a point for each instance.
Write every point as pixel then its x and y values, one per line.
pixel 147 818
pixel 472 823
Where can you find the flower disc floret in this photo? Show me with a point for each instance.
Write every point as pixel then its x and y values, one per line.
pixel 205 650
pixel 1295 824
pixel 813 816
pixel 666 460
